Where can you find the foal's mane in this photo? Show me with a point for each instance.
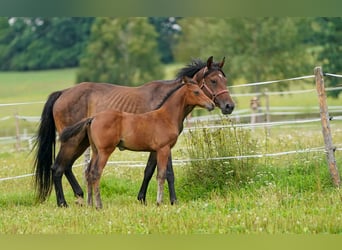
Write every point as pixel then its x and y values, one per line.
pixel 170 93
pixel 196 64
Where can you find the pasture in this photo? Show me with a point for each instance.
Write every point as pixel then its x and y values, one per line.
pixel 283 194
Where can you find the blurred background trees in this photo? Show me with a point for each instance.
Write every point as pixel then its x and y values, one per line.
pixel 131 51
pixel 122 51
pixel 42 43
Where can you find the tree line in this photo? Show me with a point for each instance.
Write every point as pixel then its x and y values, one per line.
pixel 131 51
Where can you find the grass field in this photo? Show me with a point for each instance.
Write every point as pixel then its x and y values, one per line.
pixel 285 194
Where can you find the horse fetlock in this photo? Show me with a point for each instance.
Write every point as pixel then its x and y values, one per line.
pixel 160 192
pixel 79 201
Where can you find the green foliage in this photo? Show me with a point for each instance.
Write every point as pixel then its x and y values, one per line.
pixel 257 49
pixel 211 174
pixel 168 31
pixel 328 35
pixel 42 43
pixel 122 51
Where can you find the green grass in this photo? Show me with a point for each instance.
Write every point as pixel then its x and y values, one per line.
pixel 34 85
pixel 286 194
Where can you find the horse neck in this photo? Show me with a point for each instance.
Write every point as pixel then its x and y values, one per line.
pixel 157 90
pixel 176 108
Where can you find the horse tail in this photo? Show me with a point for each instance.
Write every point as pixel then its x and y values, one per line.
pixel 45 144
pixel 76 129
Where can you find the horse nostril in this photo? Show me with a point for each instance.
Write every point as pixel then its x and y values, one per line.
pixel 230 107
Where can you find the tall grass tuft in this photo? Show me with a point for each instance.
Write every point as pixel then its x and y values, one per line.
pixel 204 175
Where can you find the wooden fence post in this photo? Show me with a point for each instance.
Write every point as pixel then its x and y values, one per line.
pixel 330 149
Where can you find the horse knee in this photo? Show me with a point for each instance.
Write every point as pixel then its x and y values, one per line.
pixel 92 175
pixel 57 171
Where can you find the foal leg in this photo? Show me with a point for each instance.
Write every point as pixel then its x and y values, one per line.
pixel 89 179
pixel 162 158
pixel 148 173
pixel 93 175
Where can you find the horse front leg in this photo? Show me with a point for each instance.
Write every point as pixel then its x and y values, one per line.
pixel 162 159
pixel 148 173
pixel 170 177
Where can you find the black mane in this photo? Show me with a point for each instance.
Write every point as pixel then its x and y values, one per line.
pixel 191 69
pixel 168 95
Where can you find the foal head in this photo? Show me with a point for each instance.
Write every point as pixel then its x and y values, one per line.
pixel 212 80
pixel 194 96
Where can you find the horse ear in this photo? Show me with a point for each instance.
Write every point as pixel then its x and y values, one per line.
pixel 186 79
pixel 209 62
pixel 222 62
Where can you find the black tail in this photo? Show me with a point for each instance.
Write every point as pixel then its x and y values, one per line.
pixel 75 129
pixel 45 154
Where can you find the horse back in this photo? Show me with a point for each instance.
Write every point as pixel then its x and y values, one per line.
pixel 86 99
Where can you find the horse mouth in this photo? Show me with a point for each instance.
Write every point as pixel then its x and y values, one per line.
pixel 227 109
pixel 210 106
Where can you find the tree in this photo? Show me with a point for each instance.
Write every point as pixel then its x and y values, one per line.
pixel 168 30
pixel 43 43
pixel 257 49
pixel 328 35
pixel 122 51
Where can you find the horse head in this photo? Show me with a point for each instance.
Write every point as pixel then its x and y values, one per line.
pixel 195 96
pixel 213 82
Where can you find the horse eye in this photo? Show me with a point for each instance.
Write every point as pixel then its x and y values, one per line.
pixel 213 81
pixel 196 92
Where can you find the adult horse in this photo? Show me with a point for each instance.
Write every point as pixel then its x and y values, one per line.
pixel 155 131
pixel 67 107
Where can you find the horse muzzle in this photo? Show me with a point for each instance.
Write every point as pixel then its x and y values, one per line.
pixel 227 108
pixel 210 106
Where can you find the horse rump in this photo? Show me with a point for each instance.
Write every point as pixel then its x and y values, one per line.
pixel 78 129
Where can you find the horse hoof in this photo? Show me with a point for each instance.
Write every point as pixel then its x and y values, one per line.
pixel 63 204
pixel 142 200
pixel 79 201
pixel 174 202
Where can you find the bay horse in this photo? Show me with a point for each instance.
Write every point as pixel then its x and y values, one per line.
pixel 66 107
pixel 155 131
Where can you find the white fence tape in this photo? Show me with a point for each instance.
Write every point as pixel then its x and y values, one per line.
pixel 183 161
pixel 133 164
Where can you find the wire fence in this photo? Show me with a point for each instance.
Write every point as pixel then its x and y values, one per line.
pixel 237 116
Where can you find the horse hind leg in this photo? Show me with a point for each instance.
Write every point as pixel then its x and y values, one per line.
pixel 93 176
pixel 58 169
pixel 67 155
pixel 89 178
pixel 78 192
